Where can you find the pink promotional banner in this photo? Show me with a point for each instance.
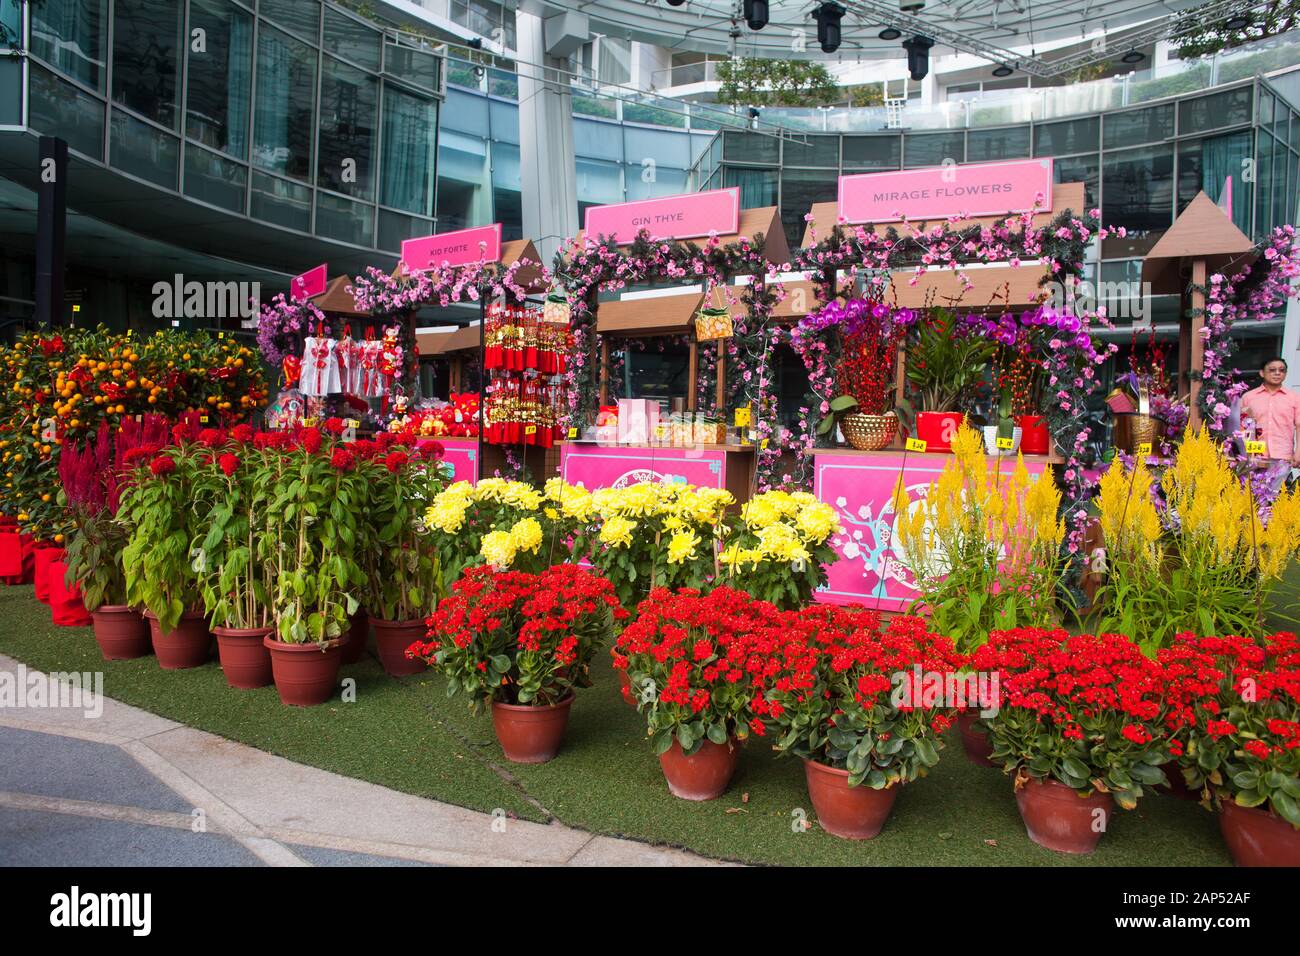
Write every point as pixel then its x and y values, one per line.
pixel 868 569
pixel 614 466
pixel 936 192
pixel 310 283
pixel 461 454
pixel 481 244
pixel 688 216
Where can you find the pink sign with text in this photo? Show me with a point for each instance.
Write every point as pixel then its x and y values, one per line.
pixel 482 244
pixel 860 488
pixel 688 216
pixel 936 192
pixel 461 454
pixel 310 283
pixel 614 466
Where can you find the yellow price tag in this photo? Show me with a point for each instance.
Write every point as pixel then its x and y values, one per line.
pixel 309 423
pixel 1144 448
pixel 221 335
pixel 916 444
pixel 763 444
pixel 1256 448
pixel 76 308
pixel 573 433
pixel 1005 444
pixel 351 423
pixel 530 429
pixel 743 417
pixel 203 419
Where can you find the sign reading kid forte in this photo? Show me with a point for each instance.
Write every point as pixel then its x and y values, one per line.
pixel 936 192
pixel 459 248
pixel 688 216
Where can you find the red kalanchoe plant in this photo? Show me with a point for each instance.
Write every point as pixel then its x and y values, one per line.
pixel 518 638
pixel 858 697
pixel 1086 711
pixel 1235 717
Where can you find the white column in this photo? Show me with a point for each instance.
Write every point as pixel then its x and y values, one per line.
pixel 1291 344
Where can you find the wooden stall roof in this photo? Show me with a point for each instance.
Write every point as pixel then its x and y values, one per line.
pixel 1201 231
pixel 650 315
pixel 992 288
pixel 752 222
pixel 1064 196
pixel 443 342
pixel 337 299
pixel 530 277
pixel 800 299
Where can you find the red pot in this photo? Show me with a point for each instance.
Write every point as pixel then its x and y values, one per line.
pixel 121 632
pixel 11 554
pixel 625 688
pixel 938 429
pixel 67 609
pixel 1178 785
pixel 358 636
pixel 1034 436
pixel 1059 819
pixel 529 734
pixel 977 745
pixel 1258 837
pixel 393 638
pixel 189 645
pixel 305 674
pixel 45 556
pixel 702 776
pixel 244 657
pixel 854 813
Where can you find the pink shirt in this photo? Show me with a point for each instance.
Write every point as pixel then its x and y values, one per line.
pixel 1277 414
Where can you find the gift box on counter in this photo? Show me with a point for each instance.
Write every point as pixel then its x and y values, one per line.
pixel 637 420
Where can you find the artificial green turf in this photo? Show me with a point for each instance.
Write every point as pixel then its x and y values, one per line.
pixel 407 735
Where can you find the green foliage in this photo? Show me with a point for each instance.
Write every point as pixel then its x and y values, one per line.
pixel 756 82
pixel 93 558
pixel 401 558
pixel 943 365
pixel 159 515
pixel 1197 35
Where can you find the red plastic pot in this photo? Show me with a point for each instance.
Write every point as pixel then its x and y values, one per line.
pixel 392 638
pixel 1058 818
pixel 529 734
pixel 1034 436
pixel 705 774
pixel 11 555
pixel 854 813
pixel 45 555
pixel 305 674
pixel 938 429
pixel 121 632
pixel 357 637
pixel 244 657
pixel 67 608
pixel 189 645
pixel 977 745
pixel 1258 837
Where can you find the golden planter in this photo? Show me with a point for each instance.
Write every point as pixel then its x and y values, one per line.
pixel 869 432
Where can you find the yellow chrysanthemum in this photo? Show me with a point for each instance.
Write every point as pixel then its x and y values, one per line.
pixel 617 531
pixel 681 547
pixel 498 549
pixel 527 535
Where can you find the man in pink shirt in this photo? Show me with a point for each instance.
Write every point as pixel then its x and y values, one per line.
pixel 1276 411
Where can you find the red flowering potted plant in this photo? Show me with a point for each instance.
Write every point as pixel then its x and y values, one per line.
pixel 1235 709
pixel 865 708
pixel 869 336
pixel 521 642
pixel 697 666
pixel 1079 725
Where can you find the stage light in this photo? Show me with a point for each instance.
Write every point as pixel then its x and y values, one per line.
pixel 889 33
pixel 1002 70
pixel 1133 56
pixel 918 56
pixel 828 17
pixel 756 14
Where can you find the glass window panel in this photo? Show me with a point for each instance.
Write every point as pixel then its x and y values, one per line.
pixel 503 83
pixel 463 200
pixel 646 182
pixel 394 228
pixel 217 97
pixel 666 149
pixel 467 113
pixel 1079 169
pixel 504 121
pixel 595 140
pixel 344 220
pixel 1010 142
pixel 800 188
pixel 349 99
pixel 931 149
pixel 11 100
pixel 1284 192
pixel 1072 136
pixel 872 152
pixel 1263 186
pixel 1229 108
pixel 70 35
pixel 821 151
pixel 294 15
pixel 615 60
pixel 60 109
pixel 599 183
pixel 413 66
pixel 11 25
pixel 1265 109
pixel 1137 189
pixel 146 49
pixel 486 18
pixel 281 202
pixel 283 117
pixel 751 147
pixel 1138 126
pixel 143 150
pixel 214 179
pixel 1295 132
pixel 758 187
pixel 653 115
pixel 507 207
pixel 351 39
pixel 410 151
pixel 1215 164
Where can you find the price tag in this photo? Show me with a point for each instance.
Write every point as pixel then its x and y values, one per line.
pixel 530 429
pixel 1006 444
pixel 309 423
pixel 1256 447
pixel 203 419
pixel 763 444
pixel 221 335
pixel 573 433
pixel 1144 448
pixel 743 417
pixel 916 444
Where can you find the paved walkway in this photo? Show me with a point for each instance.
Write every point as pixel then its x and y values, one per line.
pixel 129 788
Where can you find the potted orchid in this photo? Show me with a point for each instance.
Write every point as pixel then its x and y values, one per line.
pixel 944 363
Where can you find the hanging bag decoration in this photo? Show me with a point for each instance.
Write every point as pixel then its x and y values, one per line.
pixel 557 309
pixel 713 323
pixel 346 355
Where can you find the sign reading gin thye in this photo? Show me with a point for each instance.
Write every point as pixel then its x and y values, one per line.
pixel 936 192
pixel 688 216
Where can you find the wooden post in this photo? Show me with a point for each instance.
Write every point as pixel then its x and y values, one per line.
pixel 604 371
pixel 1198 342
pixel 454 373
pixel 693 370
pixel 722 378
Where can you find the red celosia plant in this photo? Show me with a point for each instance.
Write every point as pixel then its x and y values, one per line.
pixel 1086 711
pixel 856 697
pixel 1235 717
pixel 519 638
pixel 699 665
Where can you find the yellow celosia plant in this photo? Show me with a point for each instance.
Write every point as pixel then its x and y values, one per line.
pixel 1189 551
pixel 780 547
pixel 984 546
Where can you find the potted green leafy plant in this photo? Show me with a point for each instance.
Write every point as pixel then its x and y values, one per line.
pixel 944 363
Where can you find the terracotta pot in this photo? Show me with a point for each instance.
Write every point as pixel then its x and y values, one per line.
pixel 189 645
pixel 121 632
pixel 244 657
pixel 1058 818
pixel 358 636
pixel 1035 438
pixel 530 734
pixel 305 674
pixel 977 745
pixel 938 429
pixel 1177 785
pixel 1258 837
pixel 625 688
pixel 854 813
pixel 702 776
pixel 393 638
